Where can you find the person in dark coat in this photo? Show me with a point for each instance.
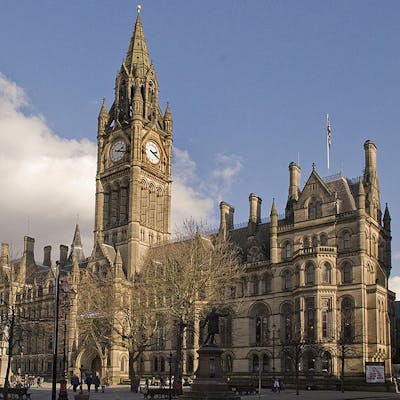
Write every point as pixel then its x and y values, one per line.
pixel 96 383
pixel 74 382
pixel 89 381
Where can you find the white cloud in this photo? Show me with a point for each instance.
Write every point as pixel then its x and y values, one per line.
pixel 394 285
pixel 396 256
pixel 193 197
pixel 48 180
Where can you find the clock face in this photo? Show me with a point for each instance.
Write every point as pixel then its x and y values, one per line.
pixel 118 150
pixel 152 152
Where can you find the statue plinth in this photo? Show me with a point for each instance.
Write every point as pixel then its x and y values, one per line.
pixel 209 383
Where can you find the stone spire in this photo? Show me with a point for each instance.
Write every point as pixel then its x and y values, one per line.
pixel 387 219
pixel 137 57
pixel 76 246
pixel 103 118
pixel 119 273
pixel 168 120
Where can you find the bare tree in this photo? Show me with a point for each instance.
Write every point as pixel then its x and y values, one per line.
pixel 187 276
pixel 347 337
pixel 115 315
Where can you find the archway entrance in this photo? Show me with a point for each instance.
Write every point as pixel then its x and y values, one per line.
pixel 95 366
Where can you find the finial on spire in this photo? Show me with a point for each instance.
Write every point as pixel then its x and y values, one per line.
pixel 313 166
pixel 139 7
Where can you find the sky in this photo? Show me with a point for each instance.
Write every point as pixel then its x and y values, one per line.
pixel 249 84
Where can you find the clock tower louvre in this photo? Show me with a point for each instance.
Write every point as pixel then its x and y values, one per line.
pixel 133 179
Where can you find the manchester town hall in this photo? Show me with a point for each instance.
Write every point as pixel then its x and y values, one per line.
pixel 322 264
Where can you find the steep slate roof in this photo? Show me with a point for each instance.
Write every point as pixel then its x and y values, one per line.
pixel 341 187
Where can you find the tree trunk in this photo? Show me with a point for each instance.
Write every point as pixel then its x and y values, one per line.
pixel 179 357
pixel 132 374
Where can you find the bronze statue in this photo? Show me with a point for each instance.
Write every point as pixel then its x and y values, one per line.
pixel 212 322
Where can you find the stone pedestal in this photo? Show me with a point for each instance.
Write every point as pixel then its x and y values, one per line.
pixel 209 383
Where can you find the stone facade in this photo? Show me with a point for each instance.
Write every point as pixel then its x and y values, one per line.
pixel 321 268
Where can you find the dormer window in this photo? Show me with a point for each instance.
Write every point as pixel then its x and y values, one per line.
pixel 314 208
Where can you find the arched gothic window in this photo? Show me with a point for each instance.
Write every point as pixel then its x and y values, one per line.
pixel 326 273
pixel 323 239
pixel 310 274
pixel 259 324
pixel 347 320
pixel 346 240
pixel 314 209
pixel 255 363
pixel 347 273
pixel 287 280
pixel 286 322
pixel 287 251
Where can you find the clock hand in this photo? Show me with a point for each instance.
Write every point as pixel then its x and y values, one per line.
pixel 155 154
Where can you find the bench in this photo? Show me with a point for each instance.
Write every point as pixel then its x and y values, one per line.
pixel 243 388
pixel 15 393
pixel 151 393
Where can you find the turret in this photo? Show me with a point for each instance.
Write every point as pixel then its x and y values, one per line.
pixel 273 234
pixel 371 183
pixel 361 196
pixel 168 120
pixel 102 119
pixel 294 181
pixel 226 218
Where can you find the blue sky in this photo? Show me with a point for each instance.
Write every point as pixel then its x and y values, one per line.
pixel 249 83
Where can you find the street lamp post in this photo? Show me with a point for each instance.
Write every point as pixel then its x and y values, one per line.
pixel 273 350
pixel 170 373
pixel 55 333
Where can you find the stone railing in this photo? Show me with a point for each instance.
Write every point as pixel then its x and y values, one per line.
pixel 315 250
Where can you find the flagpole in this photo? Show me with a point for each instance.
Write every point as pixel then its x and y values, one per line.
pixel 328 140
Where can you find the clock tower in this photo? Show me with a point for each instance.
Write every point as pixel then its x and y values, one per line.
pixel 133 180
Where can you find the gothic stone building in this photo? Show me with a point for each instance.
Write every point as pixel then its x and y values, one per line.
pixel 328 257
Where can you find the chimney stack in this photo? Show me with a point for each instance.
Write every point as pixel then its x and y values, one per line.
pixel 226 218
pixel 255 208
pixel 294 181
pixel 29 248
pixel 370 160
pixel 47 256
pixel 63 254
